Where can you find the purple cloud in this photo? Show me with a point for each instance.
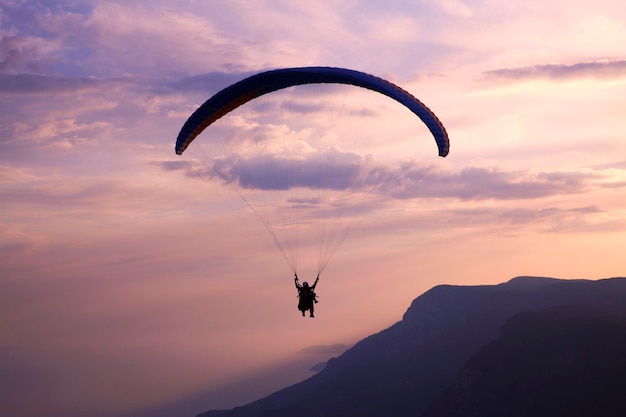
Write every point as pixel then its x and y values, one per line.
pixel 483 183
pixel 12 54
pixel 211 81
pixel 411 180
pixel 32 83
pixel 525 216
pixel 546 219
pixel 333 170
pixel 604 69
pixel 173 165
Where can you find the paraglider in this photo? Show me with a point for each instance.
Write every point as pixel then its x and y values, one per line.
pixel 300 180
pixel 306 296
pixel 266 82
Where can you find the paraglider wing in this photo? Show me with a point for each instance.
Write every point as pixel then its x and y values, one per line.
pixel 243 91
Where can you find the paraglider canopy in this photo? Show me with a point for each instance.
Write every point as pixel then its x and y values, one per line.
pixel 243 91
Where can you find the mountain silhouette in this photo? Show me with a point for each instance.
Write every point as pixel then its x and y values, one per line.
pixel 405 369
pixel 560 362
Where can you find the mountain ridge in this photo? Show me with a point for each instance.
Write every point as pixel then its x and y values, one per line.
pixel 401 370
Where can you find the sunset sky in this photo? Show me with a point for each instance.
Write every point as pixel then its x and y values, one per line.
pixel 129 287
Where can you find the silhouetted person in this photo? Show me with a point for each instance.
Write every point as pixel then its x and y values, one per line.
pixel 306 295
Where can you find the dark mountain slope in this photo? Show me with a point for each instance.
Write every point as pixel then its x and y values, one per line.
pixel 565 361
pixel 401 370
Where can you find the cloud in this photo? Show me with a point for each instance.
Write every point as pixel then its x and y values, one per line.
pixel 411 180
pixel 32 83
pixel 49 195
pixel 332 169
pixel 17 175
pixel 210 81
pixel 583 219
pixel 115 37
pixel 29 54
pixel 517 219
pixel 268 172
pixel 603 69
pixel 478 183
pixel 525 216
pixel 60 132
pixel 111 38
pixel 15 241
pixel 614 165
pixel 173 165
pixel 12 53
